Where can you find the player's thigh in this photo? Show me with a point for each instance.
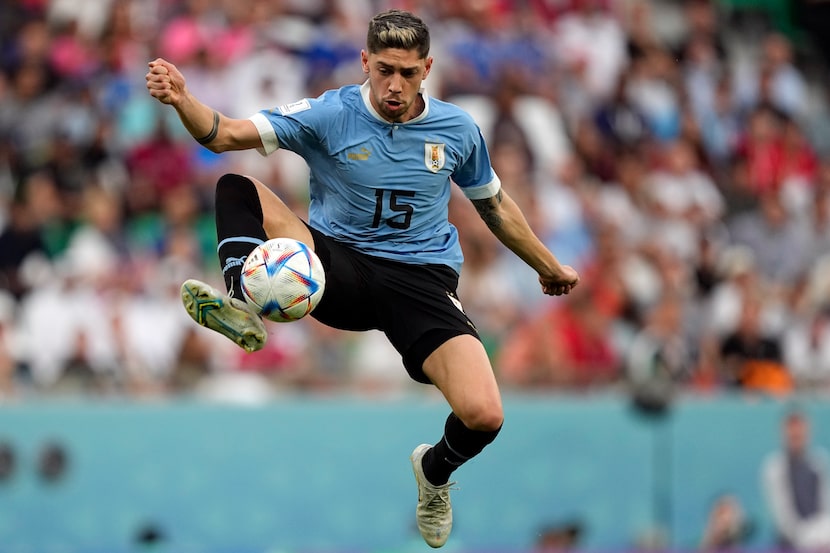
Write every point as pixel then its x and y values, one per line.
pixel 277 218
pixel 461 369
pixel 345 303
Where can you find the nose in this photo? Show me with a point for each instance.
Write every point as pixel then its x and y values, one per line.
pixel 395 83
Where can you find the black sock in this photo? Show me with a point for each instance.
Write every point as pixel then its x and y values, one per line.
pixel 458 445
pixel 239 228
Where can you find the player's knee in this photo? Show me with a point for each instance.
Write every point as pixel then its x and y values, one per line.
pixel 232 188
pixel 485 417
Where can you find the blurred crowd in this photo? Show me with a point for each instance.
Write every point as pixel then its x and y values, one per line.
pixel 673 151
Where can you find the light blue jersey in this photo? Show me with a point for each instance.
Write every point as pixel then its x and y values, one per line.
pixel 383 187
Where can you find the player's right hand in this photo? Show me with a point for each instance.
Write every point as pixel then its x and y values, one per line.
pixel 165 82
pixel 561 283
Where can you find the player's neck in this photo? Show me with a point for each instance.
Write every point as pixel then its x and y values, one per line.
pixel 414 111
pixel 418 106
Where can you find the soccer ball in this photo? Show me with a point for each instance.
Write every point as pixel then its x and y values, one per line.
pixel 283 279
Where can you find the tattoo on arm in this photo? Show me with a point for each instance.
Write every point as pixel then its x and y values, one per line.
pixel 487 210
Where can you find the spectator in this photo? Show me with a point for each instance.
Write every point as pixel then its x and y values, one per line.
pixel 727 528
pixel 737 279
pixel 156 166
pixel 774 80
pixel 799 164
pixel 662 348
pixel 624 202
pixel 703 72
pixel 622 124
pixel 703 21
pixel 686 198
pixel 19 240
pixel 591 45
pixel 720 124
pixel 595 152
pixel 98 244
pixel 760 146
pixel 565 205
pixel 774 238
pixel 813 220
pixel 795 486
pixel 806 351
pixel 801 161
pixel 655 88
pixel 752 359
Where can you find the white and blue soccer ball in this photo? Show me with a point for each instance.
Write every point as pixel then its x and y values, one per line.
pixel 283 279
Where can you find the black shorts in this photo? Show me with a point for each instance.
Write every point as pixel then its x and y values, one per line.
pixel 416 306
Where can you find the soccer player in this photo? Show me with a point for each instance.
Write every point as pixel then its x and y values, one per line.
pixel 382 157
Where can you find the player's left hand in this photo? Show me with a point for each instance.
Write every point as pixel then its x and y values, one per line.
pixel 560 283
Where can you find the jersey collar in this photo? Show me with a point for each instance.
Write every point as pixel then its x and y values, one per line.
pixel 364 93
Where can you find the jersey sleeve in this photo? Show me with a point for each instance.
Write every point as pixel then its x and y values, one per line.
pixel 292 126
pixel 475 176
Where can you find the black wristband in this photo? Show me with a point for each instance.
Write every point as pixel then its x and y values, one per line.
pixel 213 132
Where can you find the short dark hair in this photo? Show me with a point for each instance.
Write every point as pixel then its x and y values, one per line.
pixel 397 29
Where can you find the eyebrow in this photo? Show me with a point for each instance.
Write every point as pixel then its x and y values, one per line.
pixel 390 66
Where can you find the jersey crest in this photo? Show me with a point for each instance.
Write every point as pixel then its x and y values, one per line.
pixel 434 156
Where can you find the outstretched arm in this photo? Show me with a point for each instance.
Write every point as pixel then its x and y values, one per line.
pixel 213 130
pixel 506 221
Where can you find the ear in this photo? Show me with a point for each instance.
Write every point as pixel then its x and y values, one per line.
pixel 364 61
pixel 427 67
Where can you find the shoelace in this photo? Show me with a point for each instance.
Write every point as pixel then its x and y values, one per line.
pixel 438 500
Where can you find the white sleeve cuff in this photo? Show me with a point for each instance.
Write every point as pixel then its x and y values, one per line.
pixel 270 142
pixel 483 191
